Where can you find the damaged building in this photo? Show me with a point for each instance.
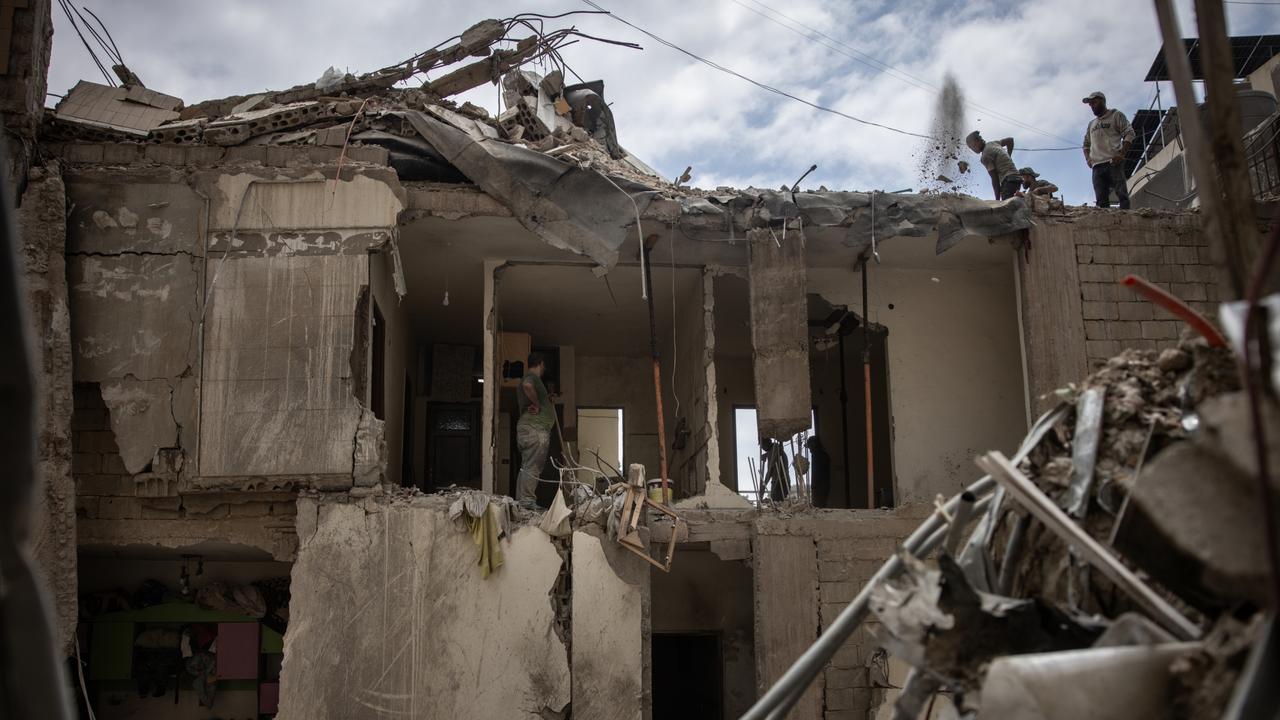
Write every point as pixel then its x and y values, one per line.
pixel 280 337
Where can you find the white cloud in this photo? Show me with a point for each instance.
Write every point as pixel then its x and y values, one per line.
pixel 1029 61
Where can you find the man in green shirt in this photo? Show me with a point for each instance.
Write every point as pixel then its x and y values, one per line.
pixel 533 429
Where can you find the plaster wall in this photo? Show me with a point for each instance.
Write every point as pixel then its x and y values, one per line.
pixel 955 369
pixel 684 385
pixel 625 382
pixel 610 638
pixel 390 616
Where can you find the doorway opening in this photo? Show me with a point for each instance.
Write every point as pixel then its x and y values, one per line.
pixel 687 678
pixel 600 433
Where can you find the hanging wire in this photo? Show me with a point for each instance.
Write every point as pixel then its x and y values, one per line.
pixel 769 88
pixel 71 18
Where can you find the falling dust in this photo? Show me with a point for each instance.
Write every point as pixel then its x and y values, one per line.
pixel 938 159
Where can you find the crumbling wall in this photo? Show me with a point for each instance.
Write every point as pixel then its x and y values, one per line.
pixel 390 616
pixel 280 395
pixel 610 642
pixel 26 28
pixel 115 507
pixel 807 569
pixel 684 385
pixel 1075 312
pixel 42 224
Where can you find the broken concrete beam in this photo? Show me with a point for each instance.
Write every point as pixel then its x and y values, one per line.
pixel 235 129
pixel 779 332
pixel 179 131
pixel 482 71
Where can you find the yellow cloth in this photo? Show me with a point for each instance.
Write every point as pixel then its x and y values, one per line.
pixel 484 531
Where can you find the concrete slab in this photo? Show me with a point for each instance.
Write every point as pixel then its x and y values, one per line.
pixel 390 617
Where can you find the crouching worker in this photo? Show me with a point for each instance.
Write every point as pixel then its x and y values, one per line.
pixel 533 430
pixel 1033 185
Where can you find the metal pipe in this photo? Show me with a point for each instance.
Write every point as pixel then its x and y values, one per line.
pixel 787 690
pixel 964 511
pixel 1012 549
pixel 657 373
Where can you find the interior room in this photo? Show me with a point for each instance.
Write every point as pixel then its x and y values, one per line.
pixel 154 622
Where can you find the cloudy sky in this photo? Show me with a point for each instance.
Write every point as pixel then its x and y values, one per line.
pixel 1023 67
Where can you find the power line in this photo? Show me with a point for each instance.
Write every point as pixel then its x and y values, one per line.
pixel 770 88
pixel 881 66
pixel 757 83
pixel 66 10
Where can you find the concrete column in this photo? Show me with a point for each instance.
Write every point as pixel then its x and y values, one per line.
pixel 489 403
pixel 779 332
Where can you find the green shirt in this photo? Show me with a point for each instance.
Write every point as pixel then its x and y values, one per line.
pixel 545 418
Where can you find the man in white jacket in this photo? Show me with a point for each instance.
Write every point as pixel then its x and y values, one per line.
pixel 1106 142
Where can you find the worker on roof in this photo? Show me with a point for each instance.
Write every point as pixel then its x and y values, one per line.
pixel 1033 185
pixel 533 430
pixel 1106 142
pixel 995 157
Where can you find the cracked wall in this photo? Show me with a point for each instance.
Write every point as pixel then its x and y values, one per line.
pixel 610 638
pixel 41 221
pixel 390 617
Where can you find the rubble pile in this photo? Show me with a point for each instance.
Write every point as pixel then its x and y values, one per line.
pixel 568 121
pixel 1152 457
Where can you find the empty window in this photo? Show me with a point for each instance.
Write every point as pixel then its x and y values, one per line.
pixel 747 449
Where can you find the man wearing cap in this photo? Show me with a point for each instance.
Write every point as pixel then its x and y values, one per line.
pixel 1106 142
pixel 1033 185
pixel 995 158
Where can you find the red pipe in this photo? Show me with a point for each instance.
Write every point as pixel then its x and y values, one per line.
pixel 1180 309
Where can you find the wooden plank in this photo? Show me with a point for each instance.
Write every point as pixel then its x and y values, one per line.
pixel 787 623
pixel 1239 225
pixel 1052 313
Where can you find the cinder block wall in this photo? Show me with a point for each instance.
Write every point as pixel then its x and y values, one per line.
pixel 115 507
pixel 827 556
pixel 1115 317
pixel 1076 313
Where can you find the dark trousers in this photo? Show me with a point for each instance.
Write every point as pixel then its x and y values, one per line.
pixel 1106 178
pixel 1010 186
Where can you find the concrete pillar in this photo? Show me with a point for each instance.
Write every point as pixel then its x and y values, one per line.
pixel 779 332
pixel 489 402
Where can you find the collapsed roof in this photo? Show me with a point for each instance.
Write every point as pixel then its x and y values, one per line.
pixel 552 157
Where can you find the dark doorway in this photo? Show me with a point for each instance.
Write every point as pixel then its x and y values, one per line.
pixel 686 675
pixel 453 445
pixel 406 444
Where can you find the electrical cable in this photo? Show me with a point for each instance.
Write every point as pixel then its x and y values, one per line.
pixel 783 93
pixel 66 10
pixel 757 83
pixel 881 66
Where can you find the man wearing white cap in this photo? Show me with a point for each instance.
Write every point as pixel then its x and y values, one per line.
pixel 1106 142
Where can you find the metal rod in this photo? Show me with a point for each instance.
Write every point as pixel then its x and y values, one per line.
pixel 866 392
pixel 1012 549
pixel 964 511
pixel 783 695
pixel 657 373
